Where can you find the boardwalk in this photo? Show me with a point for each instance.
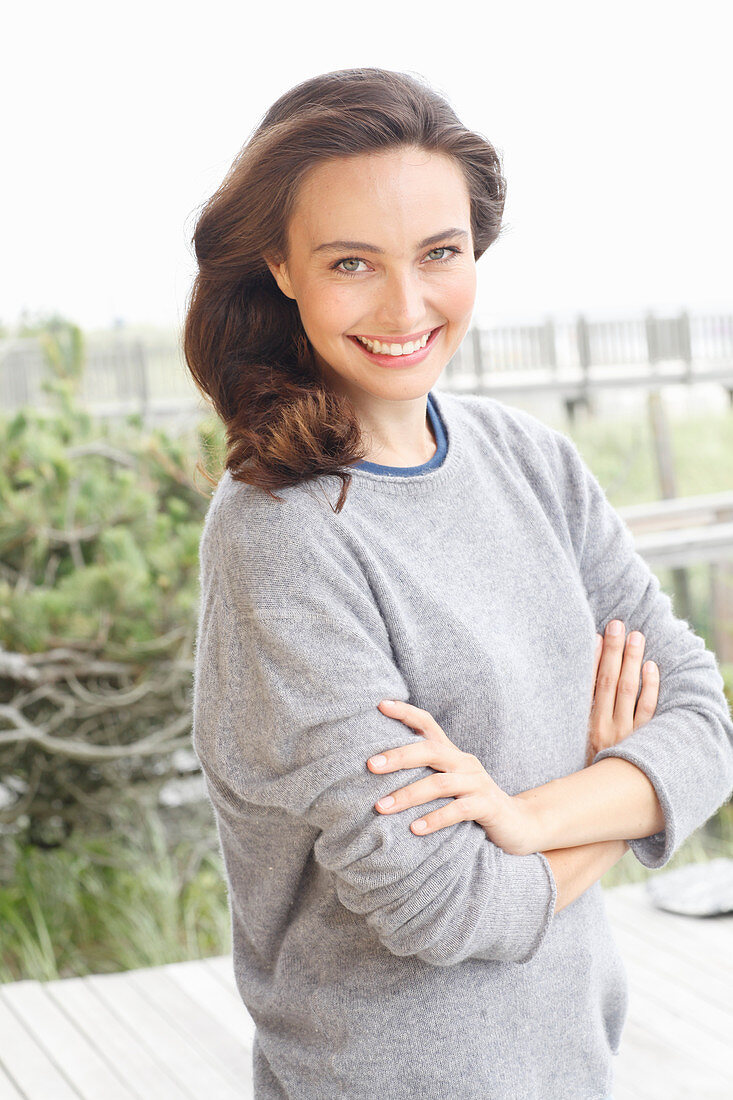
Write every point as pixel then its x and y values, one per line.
pixel 180 1031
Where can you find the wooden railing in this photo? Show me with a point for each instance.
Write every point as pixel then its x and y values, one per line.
pixel 573 358
pixel 681 532
pixel 125 375
pixel 684 530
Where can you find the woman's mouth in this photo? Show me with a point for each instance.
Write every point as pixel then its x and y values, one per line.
pixel 390 354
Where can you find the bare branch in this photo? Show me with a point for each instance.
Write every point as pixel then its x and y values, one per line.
pixel 157 742
pixel 103 449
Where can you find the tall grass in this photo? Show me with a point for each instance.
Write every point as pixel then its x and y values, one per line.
pixel 140 894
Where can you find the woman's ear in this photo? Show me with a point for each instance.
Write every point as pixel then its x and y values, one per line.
pixel 281 277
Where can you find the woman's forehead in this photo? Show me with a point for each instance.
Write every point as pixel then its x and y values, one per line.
pixel 363 198
pixel 387 168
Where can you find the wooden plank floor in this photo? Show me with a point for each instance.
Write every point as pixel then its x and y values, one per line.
pixel 180 1031
pixel 677 1043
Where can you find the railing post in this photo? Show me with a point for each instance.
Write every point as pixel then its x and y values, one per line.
pixel 652 343
pixel 721 609
pixel 721 601
pixel 663 451
pixel 684 339
pixel 477 356
pixel 582 339
pixel 549 347
pixel 142 380
pixel 582 342
pixel 15 368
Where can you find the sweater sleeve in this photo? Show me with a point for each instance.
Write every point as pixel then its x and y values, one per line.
pixel 286 716
pixel 686 749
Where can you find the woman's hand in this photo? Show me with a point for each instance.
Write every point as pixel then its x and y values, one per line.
pixel 506 819
pixel 476 797
pixel 615 711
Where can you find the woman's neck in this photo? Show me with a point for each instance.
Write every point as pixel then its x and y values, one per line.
pixel 406 456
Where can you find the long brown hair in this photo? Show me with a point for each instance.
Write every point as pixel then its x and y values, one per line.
pixel 243 339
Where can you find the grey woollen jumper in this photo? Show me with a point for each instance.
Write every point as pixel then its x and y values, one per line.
pixel 374 961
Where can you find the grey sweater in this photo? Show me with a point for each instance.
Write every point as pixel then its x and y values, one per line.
pixel 375 962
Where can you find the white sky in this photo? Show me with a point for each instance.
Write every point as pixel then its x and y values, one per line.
pixel 613 121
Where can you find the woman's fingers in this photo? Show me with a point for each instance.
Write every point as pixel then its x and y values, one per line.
pixel 647 703
pixel 457 775
pixel 416 718
pixel 609 671
pixel 628 683
pixel 615 711
pixel 597 661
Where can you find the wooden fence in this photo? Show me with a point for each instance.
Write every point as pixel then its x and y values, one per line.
pixel 130 375
pixel 572 359
pixel 676 533
pixel 122 375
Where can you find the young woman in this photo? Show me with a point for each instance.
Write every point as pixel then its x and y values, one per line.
pixel 374 539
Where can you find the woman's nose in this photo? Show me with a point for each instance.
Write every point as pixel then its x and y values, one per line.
pixel 402 309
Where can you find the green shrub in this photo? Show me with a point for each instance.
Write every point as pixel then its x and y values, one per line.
pixel 99 532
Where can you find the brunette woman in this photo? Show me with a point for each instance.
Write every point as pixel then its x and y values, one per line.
pixel 414 886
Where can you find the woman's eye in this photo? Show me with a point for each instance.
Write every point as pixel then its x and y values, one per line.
pixel 348 270
pixel 449 253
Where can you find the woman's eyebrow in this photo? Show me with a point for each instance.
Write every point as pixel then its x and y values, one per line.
pixel 362 246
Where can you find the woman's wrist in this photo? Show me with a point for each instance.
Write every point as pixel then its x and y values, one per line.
pixel 611 799
pixel 534 831
pixel 575 869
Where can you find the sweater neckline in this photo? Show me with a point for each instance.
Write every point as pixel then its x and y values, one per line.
pixel 435 460
pixel 420 479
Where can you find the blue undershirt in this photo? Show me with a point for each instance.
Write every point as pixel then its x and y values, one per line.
pixel 412 471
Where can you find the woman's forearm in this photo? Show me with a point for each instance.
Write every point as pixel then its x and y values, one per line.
pixel 577 868
pixel 610 800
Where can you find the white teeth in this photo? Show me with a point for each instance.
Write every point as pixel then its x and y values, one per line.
pixel 395 349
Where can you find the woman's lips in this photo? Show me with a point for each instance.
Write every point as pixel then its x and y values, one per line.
pixel 394 340
pixel 399 360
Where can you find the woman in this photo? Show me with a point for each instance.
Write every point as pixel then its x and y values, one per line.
pixel 464 569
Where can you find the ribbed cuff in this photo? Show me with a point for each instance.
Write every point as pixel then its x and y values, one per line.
pixel 655 850
pixel 550 901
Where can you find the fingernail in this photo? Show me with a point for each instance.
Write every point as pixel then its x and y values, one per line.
pixel 386 802
pixel 420 825
pixel 387 703
pixel 378 761
pixel 614 627
pixel 635 638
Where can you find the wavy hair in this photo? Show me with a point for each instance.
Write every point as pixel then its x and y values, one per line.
pixel 243 339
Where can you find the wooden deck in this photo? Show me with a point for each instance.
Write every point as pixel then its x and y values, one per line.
pixel 180 1031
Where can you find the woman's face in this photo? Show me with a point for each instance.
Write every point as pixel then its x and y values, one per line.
pixel 380 246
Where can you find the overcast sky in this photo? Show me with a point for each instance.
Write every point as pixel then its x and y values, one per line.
pixel 612 120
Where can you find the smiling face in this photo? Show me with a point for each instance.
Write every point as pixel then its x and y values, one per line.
pixel 380 246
